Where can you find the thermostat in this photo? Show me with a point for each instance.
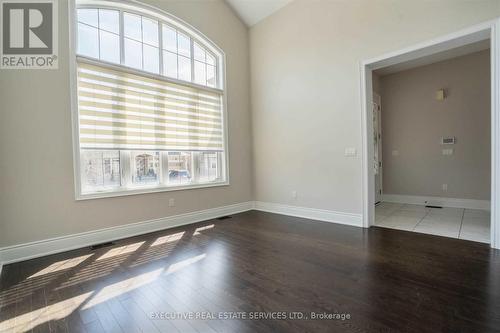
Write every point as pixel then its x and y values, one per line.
pixel 448 140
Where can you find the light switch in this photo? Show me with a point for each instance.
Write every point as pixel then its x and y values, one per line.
pixel 440 95
pixel 350 151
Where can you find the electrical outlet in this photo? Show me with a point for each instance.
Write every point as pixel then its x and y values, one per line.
pixel 445 187
pixel 171 202
pixel 294 194
pixel 395 153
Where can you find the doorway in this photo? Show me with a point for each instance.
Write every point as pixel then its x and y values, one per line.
pixel 433 48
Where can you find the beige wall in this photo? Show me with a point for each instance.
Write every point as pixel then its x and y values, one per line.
pixel 36 166
pixel 306 88
pixel 413 122
pixel 305 100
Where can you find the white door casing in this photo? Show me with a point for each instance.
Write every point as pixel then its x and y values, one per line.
pixel 484 31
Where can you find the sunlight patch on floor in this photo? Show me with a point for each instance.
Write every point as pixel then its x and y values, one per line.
pixel 61 265
pixel 168 239
pixel 28 321
pixel 122 287
pixel 121 250
pixel 184 263
pixel 207 227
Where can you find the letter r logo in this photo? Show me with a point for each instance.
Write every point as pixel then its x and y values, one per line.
pixel 27 27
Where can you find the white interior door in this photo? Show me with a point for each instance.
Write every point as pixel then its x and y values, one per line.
pixel 377 141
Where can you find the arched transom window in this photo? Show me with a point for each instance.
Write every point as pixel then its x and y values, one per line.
pixel 150 102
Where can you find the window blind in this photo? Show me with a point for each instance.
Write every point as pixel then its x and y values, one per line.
pixel 121 110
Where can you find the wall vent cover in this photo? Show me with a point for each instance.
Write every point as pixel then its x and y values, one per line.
pixel 99 246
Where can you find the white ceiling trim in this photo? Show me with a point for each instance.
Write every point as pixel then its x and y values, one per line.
pixel 254 11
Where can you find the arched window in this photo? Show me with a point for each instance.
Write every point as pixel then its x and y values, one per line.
pixel 150 102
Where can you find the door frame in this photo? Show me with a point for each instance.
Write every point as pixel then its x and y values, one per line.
pixel 489 29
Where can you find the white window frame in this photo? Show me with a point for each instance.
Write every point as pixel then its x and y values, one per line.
pixel 183 27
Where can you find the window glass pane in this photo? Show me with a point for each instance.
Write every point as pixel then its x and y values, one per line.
pixel 145 167
pixel 109 20
pixel 92 171
pixel 111 167
pixel 100 169
pixel 200 75
pixel 169 37
pixel 211 76
pixel 184 45
pixel 151 59
pixel 133 53
pixel 184 68
pixel 88 16
pixel 150 31
pixel 132 26
pixel 199 52
pixel 210 59
pixel 88 41
pixel 208 164
pixel 109 47
pixel 180 165
pixel 170 64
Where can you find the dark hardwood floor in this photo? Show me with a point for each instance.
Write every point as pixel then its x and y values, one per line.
pixel 259 264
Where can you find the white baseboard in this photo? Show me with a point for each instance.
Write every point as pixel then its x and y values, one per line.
pixel 437 201
pixel 311 213
pixel 36 249
pixel 16 253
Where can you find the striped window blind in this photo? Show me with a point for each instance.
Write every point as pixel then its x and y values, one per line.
pixel 121 110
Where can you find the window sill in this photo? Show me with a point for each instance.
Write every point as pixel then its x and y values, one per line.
pixel 143 190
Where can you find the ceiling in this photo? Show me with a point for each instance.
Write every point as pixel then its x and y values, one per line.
pixel 437 57
pixel 254 11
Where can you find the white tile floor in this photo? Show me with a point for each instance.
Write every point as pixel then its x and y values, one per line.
pixel 470 224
